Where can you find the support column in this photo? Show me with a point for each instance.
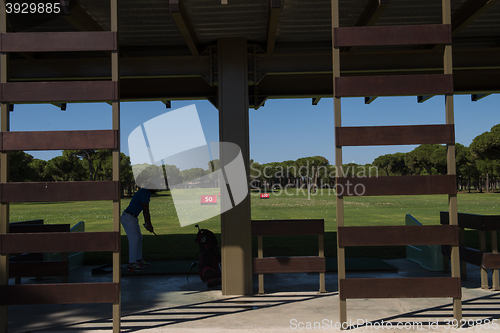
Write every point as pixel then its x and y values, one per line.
pixel 236 237
pixel 116 169
pixel 451 164
pixel 338 161
pixel 4 173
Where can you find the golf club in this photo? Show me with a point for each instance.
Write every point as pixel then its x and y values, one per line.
pixel 154 233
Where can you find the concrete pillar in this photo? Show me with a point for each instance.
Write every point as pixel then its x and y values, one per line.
pixel 236 239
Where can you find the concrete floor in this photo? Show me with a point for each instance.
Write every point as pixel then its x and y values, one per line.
pixel 173 304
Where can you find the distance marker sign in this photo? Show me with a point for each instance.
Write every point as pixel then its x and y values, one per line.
pixel 264 195
pixel 209 199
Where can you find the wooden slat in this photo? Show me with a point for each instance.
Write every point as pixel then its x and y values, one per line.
pixel 474 221
pixel 398 235
pixel 59 41
pixel 400 288
pixel 491 261
pixel 59 140
pixel 289 265
pixel 396 185
pixel 393 85
pixel 60 242
pixel 467 254
pixel 38 269
pixel 392 35
pixel 71 91
pixel 67 293
pixel 59 191
pixel 26 228
pixel 394 135
pixel 288 227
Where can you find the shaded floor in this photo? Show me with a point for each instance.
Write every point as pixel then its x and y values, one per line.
pixel 175 304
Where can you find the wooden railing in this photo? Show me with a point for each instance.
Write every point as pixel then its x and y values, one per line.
pixel 301 264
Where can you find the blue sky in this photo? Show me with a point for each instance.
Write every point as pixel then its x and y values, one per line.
pixel 282 129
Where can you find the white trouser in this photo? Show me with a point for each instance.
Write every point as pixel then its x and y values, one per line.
pixel 134 235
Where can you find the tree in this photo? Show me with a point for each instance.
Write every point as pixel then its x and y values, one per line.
pixel 65 168
pixel 127 181
pixel 419 159
pixel 19 167
pixel 384 162
pixel 486 147
pixel 439 159
pixel 93 160
pixel 172 175
pixel 38 166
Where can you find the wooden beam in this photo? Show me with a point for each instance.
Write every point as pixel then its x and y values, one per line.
pixel 66 293
pixel 59 41
pixel 369 100
pixel 394 135
pixel 38 269
pixel 393 85
pixel 468 12
pixel 392 35
pixel 398 235
pixel 59 242
pixel 421 99
pixel 477 97
pixel 369 16
pixel 181 18
pixel 81 20
pixel 396 185
pixel 59 191
pixel 71 91
pixel 372 12
pixel 59 140
pixel 274 12
pixel 400 287
pixel 289 265
pixel 62 106
pixel 288 227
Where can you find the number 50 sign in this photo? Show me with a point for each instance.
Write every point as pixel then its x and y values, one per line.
pixel 208 199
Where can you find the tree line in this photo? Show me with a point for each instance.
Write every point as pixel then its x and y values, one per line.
pixel 477 167
pixel 97 165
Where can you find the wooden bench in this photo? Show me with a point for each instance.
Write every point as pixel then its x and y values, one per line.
pixel 479 257
pixel 32 264
pixel 303 264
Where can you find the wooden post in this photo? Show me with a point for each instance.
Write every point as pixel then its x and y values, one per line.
pixel 494 249
pixel 4 172
pixel 260 254
pixel 338 159
pixel 463 264
pixel 236 232
pixel 452 198
pixel 116 168
pixel 321 246
pixel 484 271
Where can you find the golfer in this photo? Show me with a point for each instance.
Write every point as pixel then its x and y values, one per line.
pixel 130 222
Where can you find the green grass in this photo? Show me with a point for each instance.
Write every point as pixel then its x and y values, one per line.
pixel 359 211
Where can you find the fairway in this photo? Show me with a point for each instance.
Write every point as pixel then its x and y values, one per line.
pixel 388 210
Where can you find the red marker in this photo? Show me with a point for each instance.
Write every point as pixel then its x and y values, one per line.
pixel 209 199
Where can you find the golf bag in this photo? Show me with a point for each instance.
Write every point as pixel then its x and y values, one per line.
pixel 209 267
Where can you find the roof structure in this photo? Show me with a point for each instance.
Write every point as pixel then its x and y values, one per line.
pixel 168 49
